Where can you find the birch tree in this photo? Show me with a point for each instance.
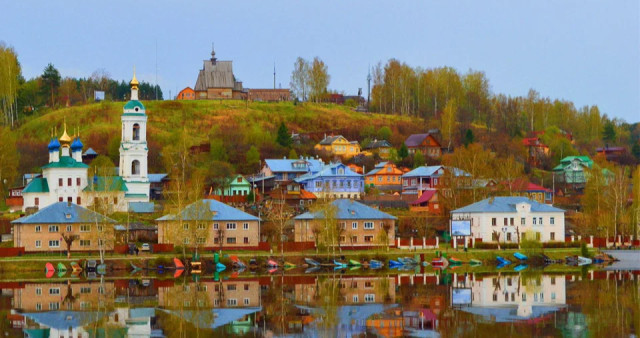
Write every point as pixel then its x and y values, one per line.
pixel 300 79
pixel 10 74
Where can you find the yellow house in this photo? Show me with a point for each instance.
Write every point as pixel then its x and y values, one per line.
pixel 338 145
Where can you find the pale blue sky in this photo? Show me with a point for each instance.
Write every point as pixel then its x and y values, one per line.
pixel 584 51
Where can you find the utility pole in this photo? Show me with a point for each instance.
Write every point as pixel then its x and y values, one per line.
pixel 274 75
pixel 368 87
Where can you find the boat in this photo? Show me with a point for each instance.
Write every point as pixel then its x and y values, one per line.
pixel 503 261
pixel 177 273
pixel 520 256
pixel 75 267
pixel 272 264
pixel 338 263
pixel 196 267
pixel 353 262
pixel 220 266
pixel 475 262
pixel 90 265
pixel 101 269
pixel 408 261
pixel 440 262
pixel 374 264
pixel 520 267
pixel 61 267
pixel 584 260
pixel 49 270
pixel 393 263
pixel 312 269
pixel 272 270
pixel 502 265
pixel 237 263
pixel 312 262
pixel 178 264
pixel 289 265
pixel 454 261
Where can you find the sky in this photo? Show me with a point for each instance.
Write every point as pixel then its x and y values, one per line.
pixel 584 51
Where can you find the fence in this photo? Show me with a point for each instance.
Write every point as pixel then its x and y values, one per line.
pixel 11 252
pixel 605 242
pixel 155 248
pixel 417 243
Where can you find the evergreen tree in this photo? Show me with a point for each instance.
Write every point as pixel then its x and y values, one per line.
pixel 50 82
pixel 403 152
pixel 418 159
pixel 283 138
pixel 469 137
pixel 609 132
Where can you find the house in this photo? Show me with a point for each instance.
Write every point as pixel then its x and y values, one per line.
pixel 288 169
pixel 427 144
pixel 356 168
pixel 186 94
pixel 536 150
pixel 338 146
pixel 334 180
pixel 207 222
pixel 360 225
pixel 385 176
pixel 15 201
pixel 158 183
pixel 428 201
pixel 432 177
pixel 293 194
pixel 380 147
pixel 535 192
pixel 613 154
pixel 43 231
pixel 89 155
pixel 571 170
pixel 234 186
pixel 217 81
pixel 504 218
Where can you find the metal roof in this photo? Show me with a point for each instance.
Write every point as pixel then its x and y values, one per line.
pixel 287 165
pixel 65 162
pixel 156 178
pixel 349 209
pixel 430 171
pixel 38 184
pixel 100 183
pixel 415 140
pixel 211 210
pixel 142 207
pixel 505 204
pixel 378 144
pixel 330 170
pixel 63 213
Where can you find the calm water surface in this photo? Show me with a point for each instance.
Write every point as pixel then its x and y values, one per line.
pixel 423 303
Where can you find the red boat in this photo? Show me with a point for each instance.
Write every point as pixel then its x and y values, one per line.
pixel 178 264
pixel 439 262
pixel 272 264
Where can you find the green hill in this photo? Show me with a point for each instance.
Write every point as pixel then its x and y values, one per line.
pixel 234 124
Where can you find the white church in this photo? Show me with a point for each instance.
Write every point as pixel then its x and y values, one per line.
pixel 66 179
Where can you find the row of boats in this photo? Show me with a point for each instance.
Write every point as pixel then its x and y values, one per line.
pixel 75 269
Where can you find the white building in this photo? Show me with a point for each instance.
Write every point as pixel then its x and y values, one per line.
pixel 65 177
pixel 509 216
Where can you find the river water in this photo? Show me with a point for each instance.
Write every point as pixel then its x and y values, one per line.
pixel 420 303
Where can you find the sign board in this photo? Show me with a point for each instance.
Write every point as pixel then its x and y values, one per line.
pixel 98 95
pixel 461 296
pixel 461 227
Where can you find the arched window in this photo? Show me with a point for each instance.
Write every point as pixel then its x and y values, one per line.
pixel 136 132
pixel 135 167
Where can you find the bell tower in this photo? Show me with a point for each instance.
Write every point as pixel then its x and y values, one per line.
pixel 133 147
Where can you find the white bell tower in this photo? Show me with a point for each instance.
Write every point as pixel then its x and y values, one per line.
pixel 133 148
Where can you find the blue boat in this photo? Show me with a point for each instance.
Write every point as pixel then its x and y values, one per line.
pixel 393 263
pixel 339 264
pixel 503 261
pixel 374 264
pixel 407 261
pixel 502 265
pixel 220 267
pixel 520 267
pixel 520 256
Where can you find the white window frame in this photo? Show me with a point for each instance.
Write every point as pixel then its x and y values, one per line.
pixel 85 242
pixel 202 226
pixel 54 291
pixel 231 226
pixel 38 228
pixel 85 227
pixel 370 298
pixel 54 228
pixel 354 225
pixel 215 226
pixel 69 228
pixel 38 291
pixel 552 220
pixel 245 226
pixel 232 302
pixel 247 301
pixel 55 242
pixel 368 226
pixel 38 243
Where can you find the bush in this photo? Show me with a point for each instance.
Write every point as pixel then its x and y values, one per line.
pixel 494 246
pixel 555 245
pixel 583 250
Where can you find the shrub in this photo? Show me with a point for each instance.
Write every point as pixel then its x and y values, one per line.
pixel 583 250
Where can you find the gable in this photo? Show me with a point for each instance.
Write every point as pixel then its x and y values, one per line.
pixel 430 141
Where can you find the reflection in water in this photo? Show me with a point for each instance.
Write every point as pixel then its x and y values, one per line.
pixel 431 304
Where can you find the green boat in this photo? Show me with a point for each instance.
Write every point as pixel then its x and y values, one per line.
pixel 454 261
pixel 354 262
pixel 61 267
pixel 475 262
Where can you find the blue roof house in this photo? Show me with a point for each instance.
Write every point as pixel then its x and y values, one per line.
pixel 335 180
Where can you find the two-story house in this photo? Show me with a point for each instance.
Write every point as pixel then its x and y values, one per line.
pixel 571 170
pixel 234 186
pixel 426 144
pixel 509 216
pixel 335 180
pixel 385 176
pixel 380 147
pixel 289 169
pixel 338 145
pixel 292 193
pixel 206 223
pixel 360 225
pixel 424 178
pixel 535 192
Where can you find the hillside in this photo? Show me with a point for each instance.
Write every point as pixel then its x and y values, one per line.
pixel 237 125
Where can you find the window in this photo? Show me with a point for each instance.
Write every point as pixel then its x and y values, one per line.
pixel 508 236
pixel 38 228
pixel 78 200
pixel 100 228
pixel 368 225
pixel 511 221
pixel 85 242
pixel 232 302
pixel 505 221
pixel 354 225
pixel 246 240
pixel 69 181
pixel 354 239
pixel 136 132
pixel 36 201
pixel 342 225
pixel 38 291
pixel 369 298
pixel 368 239
pixel 135 167
pixel 54 291
pixel 201 240
pixel 552 220
pixel 38 307
pixel 85 290
pixel 60 182
pixel 523 221
pixel 245 226
pixel 493 221
pixel 553 281
pixel 552 236
pixel 231 287
pixel 231 226
pixel 38 244
pixel 69 228
pixel 53 228
pixel 185 241
pixel 540 220
pixel 318 184
pixel 60 199
pixel 246 301
pixel 54 306
pixel 70 199
pixel 534 221
pixel 231 240
pixel 185 226
pixel 85 228
pixel 355 298
pixel 537 236
pixel 215 226
pixel 77 181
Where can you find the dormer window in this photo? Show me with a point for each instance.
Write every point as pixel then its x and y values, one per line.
pixel 341 171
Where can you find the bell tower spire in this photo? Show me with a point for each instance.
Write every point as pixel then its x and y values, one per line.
pixel 134 86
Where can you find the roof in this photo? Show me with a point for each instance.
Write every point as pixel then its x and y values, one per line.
pixel 378 144
pixel 380 166
pixel 415 140
pixel 214 318
pixel 425 197
pixel 505 204
pixel 65 162
pixel 215 75
pixel 62 320
pixel 38 184
pixel 431 171
pixel 520 184
pixel 90 151
pixel 63 213
pixel 349 209
pixel 108 183
pixel 533 142
pixel 565 162
pixel 156 178
pixel 329 170
pixel 142 207
pixel 133 104
pixel 211 210
pixel 611 149
pixel 330 139
pixel 287 165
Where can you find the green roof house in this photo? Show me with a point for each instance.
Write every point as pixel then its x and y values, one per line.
pixel 571 169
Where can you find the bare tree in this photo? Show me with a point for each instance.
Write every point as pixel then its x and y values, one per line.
pixel 300 78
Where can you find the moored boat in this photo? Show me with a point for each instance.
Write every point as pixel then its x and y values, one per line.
pixel 440 262
pixel 178 264
pixel 353 262
pixel 312 262
pixel 454 261
pixel 520 267
pixel 475 262
pixel 503 261
pixel 272 264
pixel 338 263
pixel 520 256
pixel 393 263
pixel 374 264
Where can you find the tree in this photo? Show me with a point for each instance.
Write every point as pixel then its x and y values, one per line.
pixel 468 137
pixel 9 160
pixel 51 82
pixel 68 240
pixel 283 138
pixel 253 158
pixel 327 222
pixel 318 79
pixel 609 132
pixel 384 133
pixel 449 121
pixel 418 159
pixel 403 152
pixel 10 76
pixel 300 79
pixel 293 154
pixel 279 213
pixel 508 170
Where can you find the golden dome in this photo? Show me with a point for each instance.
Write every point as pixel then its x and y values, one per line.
pixel 134 82
pixel 65 139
